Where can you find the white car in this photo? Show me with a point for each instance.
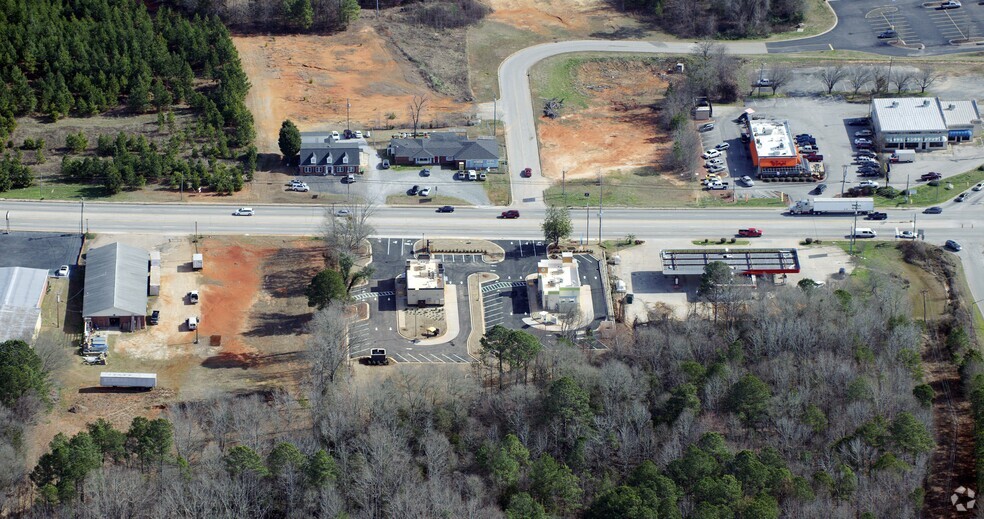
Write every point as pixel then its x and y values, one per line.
pixel 62 271
pixel 335 136
pixel 909 235
pixel 716 168
pixel 868 183
pixel 863 133
pixel 747 180
pixel 243 211
pixel 425 191
pixel 713 162
pixel 343 212
pixel 358 134
pixel 298 187
pixel 295 182
pixel 711 154
pixel 722 146
pixel 978 187
pixel 862 141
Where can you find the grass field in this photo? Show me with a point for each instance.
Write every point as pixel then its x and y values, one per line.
pixel 554 78
pixel 819 18
pixel 57 191
pixel 434 201
pixel 884 258
pixel 927 195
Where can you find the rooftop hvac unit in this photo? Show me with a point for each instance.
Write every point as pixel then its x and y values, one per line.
pixel 925 102
pixel 895 104
pixel 951 106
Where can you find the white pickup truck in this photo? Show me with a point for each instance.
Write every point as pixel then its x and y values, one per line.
pixel 718 185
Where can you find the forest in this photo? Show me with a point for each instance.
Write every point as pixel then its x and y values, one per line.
pixel 801 402
pixel 726 19
pixel 79 58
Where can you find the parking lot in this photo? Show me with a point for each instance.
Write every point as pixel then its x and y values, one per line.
pixel 918 24
pixel 377 184
pixel 504 300
pixel 39 250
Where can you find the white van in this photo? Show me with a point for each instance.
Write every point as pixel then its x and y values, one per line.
pixel 472 174
pixel 863 232
pixel 192 323
pixel 243 211
pixel 350 179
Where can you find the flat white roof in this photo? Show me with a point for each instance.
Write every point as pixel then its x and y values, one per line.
pixel 424 274
pixel 127 375
pixel 556 274
pixel 960 113
pixel 21 291
pixel 772 138
pixel 908 114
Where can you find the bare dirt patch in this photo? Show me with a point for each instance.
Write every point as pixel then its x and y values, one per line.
pixel 617 130
pixel 309 79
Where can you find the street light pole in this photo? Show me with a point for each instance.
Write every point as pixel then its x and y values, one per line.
pixel 601 204
pixel 82 218
pixel 587 219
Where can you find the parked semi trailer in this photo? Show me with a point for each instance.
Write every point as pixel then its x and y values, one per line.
pixel 139 380
pixel 833 206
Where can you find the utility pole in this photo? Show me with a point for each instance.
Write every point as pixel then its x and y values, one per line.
pixel 348 109
pixel 82 218
pixel 601 204
pixel 563 185
pixel 924 292
pixel 587 219
pixel 907 192
pixel 854 228
pixel 844 180
pixel 495 114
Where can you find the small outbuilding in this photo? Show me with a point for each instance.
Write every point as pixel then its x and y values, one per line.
pixel 116 280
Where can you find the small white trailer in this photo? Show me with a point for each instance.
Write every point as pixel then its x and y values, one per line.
pixel 198 261
pixel 118 379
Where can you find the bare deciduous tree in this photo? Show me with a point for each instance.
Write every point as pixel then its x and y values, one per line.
pixel 414 108
pixel 927 77
pixel 346 233
pixel 858 76
pixel 832 75
pixel 902 78
pixel 781 75
pixel 880 79
pixel 328 346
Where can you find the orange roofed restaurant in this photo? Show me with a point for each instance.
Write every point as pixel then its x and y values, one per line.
pixel 774 152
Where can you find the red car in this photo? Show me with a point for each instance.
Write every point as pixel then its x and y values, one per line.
pixel 932 175
pixel 512 213
pixel 528 172
pixel 750 232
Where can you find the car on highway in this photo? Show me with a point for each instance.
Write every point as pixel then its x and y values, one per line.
pixel 512 213
pixel 953 245
pixel 932 175
pixel 243 211
pixel 751 232
pixel 707 127
pixel 62 271
pixel 978 187
pixel 747 180
pixel 868 183
pixel 875 215
pixel 961 197
pixel 343 212
pixel 722 146
pixel 933 210
pixel 950 4
pixel 908 235
pixel 425 191
pixel 527 173
pixel 446 209
pixel 884 35
pixel 425 172
pixel 711 154
pixel 413 190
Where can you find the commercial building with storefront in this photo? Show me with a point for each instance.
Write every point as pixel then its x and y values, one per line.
pixel 915 123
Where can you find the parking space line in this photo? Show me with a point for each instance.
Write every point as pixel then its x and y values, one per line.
pixel 412 357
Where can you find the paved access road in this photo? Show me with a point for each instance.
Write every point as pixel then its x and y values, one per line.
pixel 519 119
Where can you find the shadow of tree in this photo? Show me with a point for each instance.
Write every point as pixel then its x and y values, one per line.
pixel 267 324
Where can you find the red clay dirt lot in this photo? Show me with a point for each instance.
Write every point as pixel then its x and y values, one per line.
pixel 618 128
pixel 252 295
pixel 308 78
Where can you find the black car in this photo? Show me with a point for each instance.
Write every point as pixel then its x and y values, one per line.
pixel 888 34
pixel 413 191
pixel 862 121
pixel 446 209
pixel 155 316
pixel 933 210
pixel 961 197
pixel 820 188
pixel 877 216
pixel 425 172
pixel 953 245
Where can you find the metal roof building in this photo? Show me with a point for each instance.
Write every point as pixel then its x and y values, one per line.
pixel 21 292
pixel 116 277
pixel 691 262
pixel 909 123
pixel 962 118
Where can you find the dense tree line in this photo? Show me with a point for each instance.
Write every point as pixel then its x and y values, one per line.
pixel 800 402
pixel 134 161
pixel 277 15
pixel 728 18
pixel 83 57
